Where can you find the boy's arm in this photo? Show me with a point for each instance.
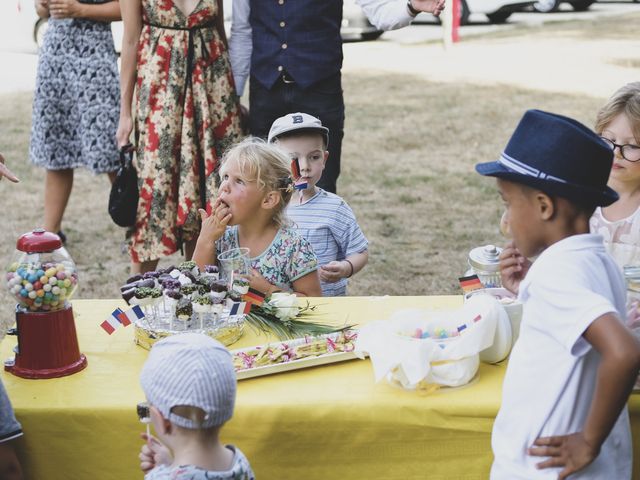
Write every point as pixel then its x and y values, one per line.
pixel 334 271
pixel 9 465
pixel 618 370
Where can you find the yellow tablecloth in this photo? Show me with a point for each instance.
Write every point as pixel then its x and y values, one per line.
pixel 318 423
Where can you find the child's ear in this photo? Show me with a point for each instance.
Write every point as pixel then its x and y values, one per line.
pixel 326 157
pixel 161 424
pixel 546 206
pixel 271 199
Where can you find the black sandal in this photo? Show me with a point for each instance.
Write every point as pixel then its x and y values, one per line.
pixel 63 237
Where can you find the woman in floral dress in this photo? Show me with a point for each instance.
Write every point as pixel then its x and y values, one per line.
pixel 187 114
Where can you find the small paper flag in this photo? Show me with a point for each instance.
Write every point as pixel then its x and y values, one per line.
pixel 470 283
pixel 130 315
pixel 254 296
pixel 112 323
pixel 295 168
pixel 238 308
pixel 301 186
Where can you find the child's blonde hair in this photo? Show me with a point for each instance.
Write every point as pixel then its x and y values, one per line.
pixel 268 166
pixel 625 100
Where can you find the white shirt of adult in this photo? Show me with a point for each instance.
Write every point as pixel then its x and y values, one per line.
pixel 551 376
pixel 384 14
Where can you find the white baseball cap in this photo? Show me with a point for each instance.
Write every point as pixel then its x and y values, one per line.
pixel 190 369
pixel 297 121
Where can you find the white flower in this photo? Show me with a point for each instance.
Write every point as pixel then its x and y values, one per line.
pixel 285 305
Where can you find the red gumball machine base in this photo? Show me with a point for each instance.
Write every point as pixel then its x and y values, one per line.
pixel 47 345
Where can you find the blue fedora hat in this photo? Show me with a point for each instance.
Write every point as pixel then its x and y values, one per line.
pixel 557 155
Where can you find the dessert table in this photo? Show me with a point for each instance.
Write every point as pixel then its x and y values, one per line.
pixel 323 422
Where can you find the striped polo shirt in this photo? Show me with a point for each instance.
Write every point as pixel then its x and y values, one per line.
pixel 328 223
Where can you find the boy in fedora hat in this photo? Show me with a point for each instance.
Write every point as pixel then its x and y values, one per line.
pixel 190 385
pixel 574 364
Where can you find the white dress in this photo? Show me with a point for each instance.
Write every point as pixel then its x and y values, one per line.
pixel 621 238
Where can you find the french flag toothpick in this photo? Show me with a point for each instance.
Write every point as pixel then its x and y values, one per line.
pixel 120 318
pixel 112 322
pixel 238 308
pixel 295 168
pixel 131 315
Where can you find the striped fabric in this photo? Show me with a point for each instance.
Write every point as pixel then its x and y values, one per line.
pixel 194 370
pixel 330 226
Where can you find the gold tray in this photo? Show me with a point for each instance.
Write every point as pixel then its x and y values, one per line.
pixel 312 360
pixel 146 335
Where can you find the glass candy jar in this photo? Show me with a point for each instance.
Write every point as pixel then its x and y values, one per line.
pixel 484 262
pixel 42 276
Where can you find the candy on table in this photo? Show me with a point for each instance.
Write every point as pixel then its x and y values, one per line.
pixel 240 286
pixel 144 414
pixel 184 309
pixel 189 266
pixel 202 304
pixel 211 271
pixel 42 287
pixel 219 289
pixel 188 289
pixel 185 279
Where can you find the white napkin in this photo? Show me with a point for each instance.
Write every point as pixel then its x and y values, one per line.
pixel 411 360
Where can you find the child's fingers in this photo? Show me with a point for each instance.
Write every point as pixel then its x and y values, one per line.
pixel 5 172
pixel 510 262
pixel 203 214
pixel 226 220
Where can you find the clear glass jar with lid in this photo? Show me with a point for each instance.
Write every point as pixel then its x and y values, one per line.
pixel 485 263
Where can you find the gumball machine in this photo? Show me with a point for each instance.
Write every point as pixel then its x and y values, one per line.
pixel 42 277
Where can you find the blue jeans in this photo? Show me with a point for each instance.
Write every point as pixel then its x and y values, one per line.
pixel 323 100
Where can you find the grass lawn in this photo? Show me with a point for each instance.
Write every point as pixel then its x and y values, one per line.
pixel 408 156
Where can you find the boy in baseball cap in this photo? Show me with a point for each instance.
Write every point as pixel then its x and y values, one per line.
pixel 323 218
pixel 574 364
pixel 190 385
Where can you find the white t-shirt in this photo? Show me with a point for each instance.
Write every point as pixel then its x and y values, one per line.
pixel 552 370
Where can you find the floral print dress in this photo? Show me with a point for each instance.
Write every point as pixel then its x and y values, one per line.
pixel 288 258
pixel 186 110
pixel 77 97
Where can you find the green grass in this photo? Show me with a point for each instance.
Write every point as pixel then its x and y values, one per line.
pixel 408 156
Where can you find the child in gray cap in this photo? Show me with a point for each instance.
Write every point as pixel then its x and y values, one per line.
pixel 190 385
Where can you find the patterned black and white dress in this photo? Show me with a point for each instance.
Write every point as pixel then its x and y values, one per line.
pixel 76 104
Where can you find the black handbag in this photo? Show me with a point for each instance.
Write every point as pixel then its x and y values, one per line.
pixel 123 199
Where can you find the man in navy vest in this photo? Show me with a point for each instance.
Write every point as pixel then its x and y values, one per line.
pixel 293 51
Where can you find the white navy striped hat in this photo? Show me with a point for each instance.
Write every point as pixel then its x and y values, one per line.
pixel 190 369
pixel 296 122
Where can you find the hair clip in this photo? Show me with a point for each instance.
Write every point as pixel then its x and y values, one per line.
pixel 286 184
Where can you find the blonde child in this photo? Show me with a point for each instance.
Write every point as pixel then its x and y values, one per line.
pixel 618 123
pixel 572 369
pixel 249 212
pixel 322 217
pixel 190 385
